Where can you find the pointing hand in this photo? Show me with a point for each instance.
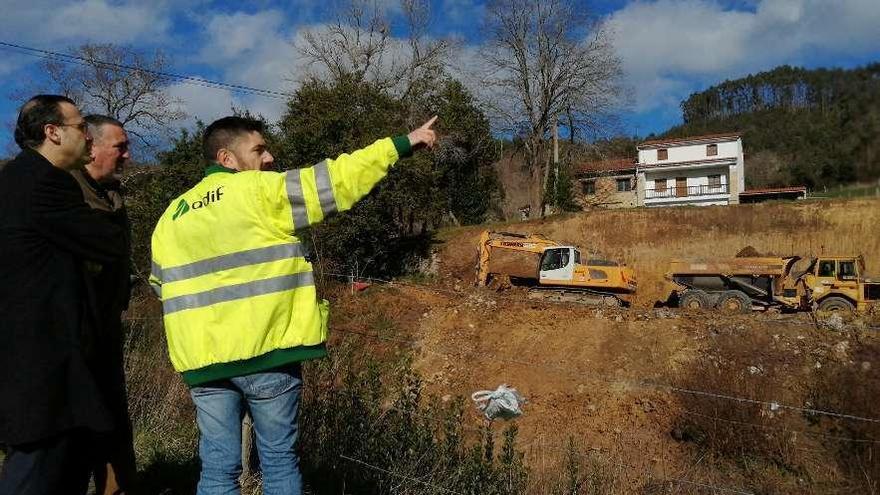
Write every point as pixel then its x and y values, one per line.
pixel 424 135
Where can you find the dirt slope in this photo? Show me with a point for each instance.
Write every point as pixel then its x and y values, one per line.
pixel 597 376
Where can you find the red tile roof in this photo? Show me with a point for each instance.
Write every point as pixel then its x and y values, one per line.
pixel 612 165
pixel 687 139
pixel 776 190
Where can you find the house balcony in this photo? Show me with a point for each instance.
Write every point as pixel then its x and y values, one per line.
pixel 702 194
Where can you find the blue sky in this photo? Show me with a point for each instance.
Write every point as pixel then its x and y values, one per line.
pixel 669 48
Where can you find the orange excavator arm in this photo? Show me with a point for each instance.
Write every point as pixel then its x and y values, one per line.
pixel 489 241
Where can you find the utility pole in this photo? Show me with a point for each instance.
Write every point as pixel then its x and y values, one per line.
pixel 556 158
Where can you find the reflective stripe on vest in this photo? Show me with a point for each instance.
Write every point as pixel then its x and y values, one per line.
pixel 325 188
pixel 296 193
pixel 228 261
pixel 293 181
pixel 156 273
pixel 239 291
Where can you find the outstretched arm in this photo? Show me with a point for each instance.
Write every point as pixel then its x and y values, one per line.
pixel 333 185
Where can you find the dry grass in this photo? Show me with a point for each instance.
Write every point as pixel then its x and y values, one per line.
pixel 853 385
pixel 778 450
pixel 647 239
pixel 162 414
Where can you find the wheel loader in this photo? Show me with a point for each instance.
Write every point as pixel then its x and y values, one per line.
pixel 829 283
pixel 553 271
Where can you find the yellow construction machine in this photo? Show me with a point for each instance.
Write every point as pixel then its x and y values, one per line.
pixel 553 271
pixel 829 283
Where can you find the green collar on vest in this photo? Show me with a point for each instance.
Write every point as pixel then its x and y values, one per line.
pixel 216 168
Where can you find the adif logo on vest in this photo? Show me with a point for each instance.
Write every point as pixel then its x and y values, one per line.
pixel 210 197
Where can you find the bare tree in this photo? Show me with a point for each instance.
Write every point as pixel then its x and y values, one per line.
pixel 547 62
pixel 359 44
pixel 120 82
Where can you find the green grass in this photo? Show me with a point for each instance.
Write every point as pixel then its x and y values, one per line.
pixel 849 191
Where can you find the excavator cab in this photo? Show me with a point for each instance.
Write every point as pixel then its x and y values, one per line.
pixel 557 263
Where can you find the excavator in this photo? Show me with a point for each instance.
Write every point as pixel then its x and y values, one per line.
pixel 559 274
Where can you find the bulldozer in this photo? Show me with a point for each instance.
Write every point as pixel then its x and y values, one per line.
pixel 553 271
pixel 828 284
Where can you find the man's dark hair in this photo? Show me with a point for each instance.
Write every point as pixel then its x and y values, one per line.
pixel 36 113
pixel 221 133
pixel 97 123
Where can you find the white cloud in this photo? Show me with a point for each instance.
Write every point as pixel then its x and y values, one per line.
pixel 254 50
pixel 672 47
pixel 46 24
pixel 461 12
pixel 100 21
pixel 236 34
pixel 201 103
pixel 44 21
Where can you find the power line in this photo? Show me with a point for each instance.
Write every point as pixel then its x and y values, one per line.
pixel 196 81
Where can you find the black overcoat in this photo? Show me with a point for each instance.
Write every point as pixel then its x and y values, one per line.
pixel 47 234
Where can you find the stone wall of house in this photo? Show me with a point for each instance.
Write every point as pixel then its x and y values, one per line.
pixel 606 194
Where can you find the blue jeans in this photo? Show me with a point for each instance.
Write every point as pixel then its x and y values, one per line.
pixel 272 398
pixel 56 465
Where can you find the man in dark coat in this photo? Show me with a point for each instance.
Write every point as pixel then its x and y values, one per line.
pixel 50 404
pixel 110 290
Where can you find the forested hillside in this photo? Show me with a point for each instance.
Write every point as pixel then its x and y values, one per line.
pixel 816 127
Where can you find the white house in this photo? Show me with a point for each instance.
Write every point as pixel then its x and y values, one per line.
pixel 696 170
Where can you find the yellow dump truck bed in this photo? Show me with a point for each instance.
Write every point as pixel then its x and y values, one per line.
pixel 773 266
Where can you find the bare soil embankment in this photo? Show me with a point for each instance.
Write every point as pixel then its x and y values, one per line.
pixel 600 376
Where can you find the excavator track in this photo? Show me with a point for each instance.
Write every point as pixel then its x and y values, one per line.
pixel 579 296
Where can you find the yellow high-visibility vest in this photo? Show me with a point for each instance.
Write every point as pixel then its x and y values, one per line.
pixel 237 293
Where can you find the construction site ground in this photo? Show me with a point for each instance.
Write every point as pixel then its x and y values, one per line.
pixel 606 378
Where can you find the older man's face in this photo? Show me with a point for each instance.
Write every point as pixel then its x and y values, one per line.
pixel 109 153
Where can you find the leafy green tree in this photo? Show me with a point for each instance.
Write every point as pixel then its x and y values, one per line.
pixel 822 124
pixel 390 228
pixel 150 189
pixel 465 156
pixel 560 190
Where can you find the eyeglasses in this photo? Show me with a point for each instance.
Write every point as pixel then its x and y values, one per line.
pixel 82 126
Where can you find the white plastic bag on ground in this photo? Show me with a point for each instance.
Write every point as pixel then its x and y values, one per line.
pixel 504 402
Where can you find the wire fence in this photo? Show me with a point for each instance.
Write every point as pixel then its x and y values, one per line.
pixel 641 383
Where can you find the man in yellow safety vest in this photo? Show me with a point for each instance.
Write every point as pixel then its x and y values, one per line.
pixel 240 308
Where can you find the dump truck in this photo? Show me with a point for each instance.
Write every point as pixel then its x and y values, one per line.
pixel 552 270
pixel 829 283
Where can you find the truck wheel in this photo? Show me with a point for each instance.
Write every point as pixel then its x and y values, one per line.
pixel 694 299
pixel 734 301
pixel 836 304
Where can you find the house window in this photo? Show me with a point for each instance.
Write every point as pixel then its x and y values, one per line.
pixel 714 181
pixel 660 185
pixel 663 154
pixel 711 150
pixel 588 187
pixel 624 185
